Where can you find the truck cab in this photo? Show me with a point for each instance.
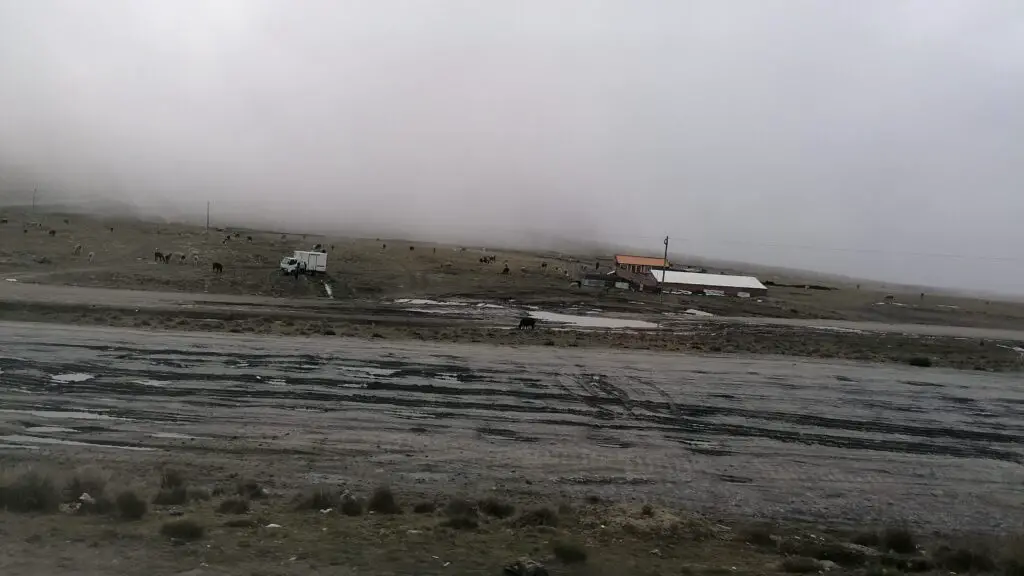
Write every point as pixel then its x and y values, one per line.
pixel 290 263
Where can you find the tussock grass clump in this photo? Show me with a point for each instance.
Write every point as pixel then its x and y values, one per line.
pixel 382 501
pixel 920 361
pixel 350 505
pixel 460 514
pixel 130 506
pixel 542 516
pixel 757 534
pixel 319 498
pixel 496 508
pixel 800 565
pixel 899 539
pixel 233 506
pixel 171 496
pixel 569 552
pixel 251 489
pixel 961 560
pixel 183 529
pixel 29 491
pixel 86 480
pixel 171 478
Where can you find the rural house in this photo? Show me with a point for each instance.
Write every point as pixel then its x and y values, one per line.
pixel 639 264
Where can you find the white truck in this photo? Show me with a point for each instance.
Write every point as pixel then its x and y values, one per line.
pixel 305 262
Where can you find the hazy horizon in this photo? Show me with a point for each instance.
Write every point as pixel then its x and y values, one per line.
pixel 874 139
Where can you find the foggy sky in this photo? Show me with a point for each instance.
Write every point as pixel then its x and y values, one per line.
pixel 868 138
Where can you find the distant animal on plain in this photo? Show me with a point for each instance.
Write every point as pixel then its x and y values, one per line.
pixel 182 259
pixel 543 264
pixel 505 270
pixel 111 229
pixel 248 239
pixel 3 220
pixel 24 231
pixel 195 259
pixel 236 234
pixel 66 221
pixel 225 240
pixel 158 256
pixel 218 268
pixel 889 297
pixel 384 247
pixel 52 232
pixel 411 248
pixel 283 236
pixel 77 251
pixel 527 323
pixel 92 255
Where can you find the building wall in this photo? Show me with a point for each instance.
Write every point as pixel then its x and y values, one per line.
pixel 729 290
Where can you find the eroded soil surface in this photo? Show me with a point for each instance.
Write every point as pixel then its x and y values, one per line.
pixel 786 438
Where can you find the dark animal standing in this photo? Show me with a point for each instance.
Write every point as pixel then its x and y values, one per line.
pixel 158 256
pixel 182 259
pixel 66 221
pixel 384 247
pixel 111 228
pixel 218 268
pixel 52 232
pixel 412 248
pixel 527 323
pixel 3 220
pixel 248 239
pixel 543 264
pixel 505 270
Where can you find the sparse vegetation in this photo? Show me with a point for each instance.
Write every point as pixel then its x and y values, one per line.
pixel 758 534
pixel 86 480
pixel 176 496
pixel 460 514
pixel 351 506
pixel 319 498
pixel 171 478
pixel 424 508
pixel 920 361
pixel 492 506
pixel 542 516
pixel 963 560
pixel 899 539
pixel 130 506
pixel 183 529
pixel 233 506
pixel 800 565
pixel 29 491
pixel 382 501
pixel 251 489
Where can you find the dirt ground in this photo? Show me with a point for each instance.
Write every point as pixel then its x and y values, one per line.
pixel 363 269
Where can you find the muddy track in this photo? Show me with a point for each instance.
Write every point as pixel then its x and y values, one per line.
pixel 806 439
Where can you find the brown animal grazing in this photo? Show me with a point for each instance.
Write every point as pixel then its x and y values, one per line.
pixel 77 251
pixel 527 323
pixel 167 257
pixel 158 256
pixel 248 239
pixel 195 259
pixel 91 256
pixel 543 264
pixel 24 231
pixel 52 232
pixel 384 247
pixel 283 236
pixel 111 228
pixel 505 270
pixel 412 248
pixel 237 234
pixel 66 221
pixel 182 260
pixel 218 268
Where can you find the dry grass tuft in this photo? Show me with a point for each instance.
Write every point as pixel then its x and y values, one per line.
pixel 29 491
pixel 171 478
pixel 382 501
pixel 899 539
pixel 130 506
pixel 542 516
pixel 424 508
pixel 319 498
pixel 460 514
pixel 176 496
pixel 251 489
pixel 494 507
pixel 86 480
pixel 233 506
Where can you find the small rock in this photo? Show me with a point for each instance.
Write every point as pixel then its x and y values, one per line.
pixel 272 526
pixel 827 565
pixel 525 567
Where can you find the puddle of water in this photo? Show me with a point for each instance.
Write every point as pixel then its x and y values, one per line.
pixel 59 414
pixel 172 436
pixel 16 439
pixel 71 377
pixel 591 321
pixel 49 430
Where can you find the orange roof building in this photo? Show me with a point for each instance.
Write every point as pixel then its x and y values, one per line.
pixel 639 264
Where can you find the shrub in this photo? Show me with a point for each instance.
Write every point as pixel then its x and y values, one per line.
pixel 171 478
pixel 382 501
pixel 87 480
pixel 569 552
pixel 899 539
pixel 130 506
pixel 319 498
pixel 492 506
pixel 461 515
pixel 251 489
pixel 920 361
pixel 542 516
pixel 758 534
pixel 869 539
pixel 963 560
pixel 29 491
pixel 171 496
pixel 101 504
pixel 233 506
pixel 350 505
pixel 183 529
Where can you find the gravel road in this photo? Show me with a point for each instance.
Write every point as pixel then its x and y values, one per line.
pixel 779 437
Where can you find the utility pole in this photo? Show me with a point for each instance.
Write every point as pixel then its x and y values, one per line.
pixel 665 263
pixel 207 216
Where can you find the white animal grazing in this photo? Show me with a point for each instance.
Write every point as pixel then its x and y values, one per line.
pixel 77 251
pixel 195 259
pixel 91 256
